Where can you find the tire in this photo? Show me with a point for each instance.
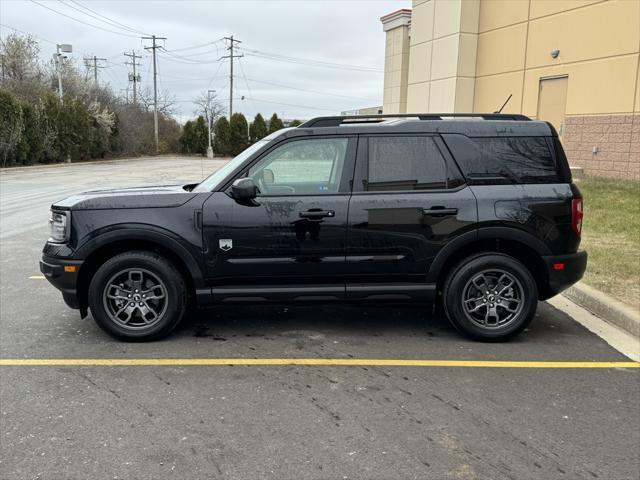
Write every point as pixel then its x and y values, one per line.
pixel 137 296
pixel 477 311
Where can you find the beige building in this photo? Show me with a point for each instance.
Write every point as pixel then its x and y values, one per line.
pixel 575 63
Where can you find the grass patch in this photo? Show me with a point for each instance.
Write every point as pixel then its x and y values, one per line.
pixel 611 235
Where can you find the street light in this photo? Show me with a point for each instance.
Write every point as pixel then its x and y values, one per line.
pixel 209 113
pixel 60 49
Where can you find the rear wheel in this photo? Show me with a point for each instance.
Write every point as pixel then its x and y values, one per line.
pixel 137 296
pixel 490 297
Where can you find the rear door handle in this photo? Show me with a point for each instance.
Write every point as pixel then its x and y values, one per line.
pixel 439 211
pixel 316 214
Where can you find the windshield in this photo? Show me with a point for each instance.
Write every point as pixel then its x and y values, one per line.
pixel 211 182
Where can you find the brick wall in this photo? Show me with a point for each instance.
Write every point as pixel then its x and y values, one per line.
pixel 617 138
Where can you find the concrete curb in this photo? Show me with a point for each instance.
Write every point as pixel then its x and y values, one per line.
pixel 607 308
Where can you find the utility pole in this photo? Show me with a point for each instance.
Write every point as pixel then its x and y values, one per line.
pixel 88 61
pixel 153 48
pixel 133 78
pixel 231 56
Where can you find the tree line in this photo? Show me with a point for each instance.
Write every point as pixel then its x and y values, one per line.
pixel 230 137
pixel 90 122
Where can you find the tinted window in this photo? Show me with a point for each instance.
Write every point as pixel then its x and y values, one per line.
pixel 504 159
pixel 405 163
pixel 308 166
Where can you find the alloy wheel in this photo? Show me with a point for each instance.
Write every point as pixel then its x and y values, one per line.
pixel 135 298
pixel 493 298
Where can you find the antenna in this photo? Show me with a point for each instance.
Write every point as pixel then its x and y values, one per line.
pixel 504 104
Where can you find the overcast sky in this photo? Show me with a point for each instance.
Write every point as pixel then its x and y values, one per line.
pixel 346 33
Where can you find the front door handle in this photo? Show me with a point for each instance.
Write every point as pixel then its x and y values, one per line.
pixel 317 214
pixel 439 211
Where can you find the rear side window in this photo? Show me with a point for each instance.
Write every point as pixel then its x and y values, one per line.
pixel 504 160
pixel 405 163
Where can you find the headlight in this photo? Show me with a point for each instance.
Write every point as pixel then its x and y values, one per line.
pixel 60 226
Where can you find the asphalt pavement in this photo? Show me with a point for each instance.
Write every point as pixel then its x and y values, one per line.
pixel 274 421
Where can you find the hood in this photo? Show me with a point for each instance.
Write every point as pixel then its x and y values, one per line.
pixel 130 197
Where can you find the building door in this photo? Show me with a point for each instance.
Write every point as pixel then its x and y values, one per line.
pixel 552 101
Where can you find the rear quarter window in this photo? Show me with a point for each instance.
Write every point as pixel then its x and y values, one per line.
pixel 504 160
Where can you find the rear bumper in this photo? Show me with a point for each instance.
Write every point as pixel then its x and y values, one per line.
pixel 65 281
pixel 563 271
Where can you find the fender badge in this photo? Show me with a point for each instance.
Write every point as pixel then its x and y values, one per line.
pixel 225 244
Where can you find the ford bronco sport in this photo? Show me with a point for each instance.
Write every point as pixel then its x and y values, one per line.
pixel 475 211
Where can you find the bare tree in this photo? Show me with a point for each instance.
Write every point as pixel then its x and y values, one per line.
pixel 209 107
pixel 166 101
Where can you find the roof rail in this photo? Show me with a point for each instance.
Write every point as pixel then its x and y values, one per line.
pixel 338 120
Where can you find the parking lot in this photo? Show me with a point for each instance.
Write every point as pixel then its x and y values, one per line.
pixel 386 392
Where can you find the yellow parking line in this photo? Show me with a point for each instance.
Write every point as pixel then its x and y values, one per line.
pixel 339 362
pixel 36 277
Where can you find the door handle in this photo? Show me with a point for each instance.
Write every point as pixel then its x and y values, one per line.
pixel 316 214
pixel 439 211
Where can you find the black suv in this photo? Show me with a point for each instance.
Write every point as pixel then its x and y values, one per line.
pixel 477 212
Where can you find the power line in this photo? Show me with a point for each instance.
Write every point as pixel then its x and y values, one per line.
pixel 165 75
pixel 171 57
pixel 309 62
pixel 214 76
pixel 111 23
pixel 246 82
pixel 310 91
pixel 292 105
pixel 111 65
pixel 82 21
pixel 106 19
pixel 27 33
pixel 190 56
pixel 194 47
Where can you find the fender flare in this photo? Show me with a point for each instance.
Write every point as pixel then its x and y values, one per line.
pixel 132 232
pixel 484 233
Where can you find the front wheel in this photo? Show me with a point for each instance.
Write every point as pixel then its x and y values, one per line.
pixel 490 297
pixel 137 296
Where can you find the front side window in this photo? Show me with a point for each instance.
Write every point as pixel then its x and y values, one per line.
pixel 405 163
pixel 309 166
pixel 214 180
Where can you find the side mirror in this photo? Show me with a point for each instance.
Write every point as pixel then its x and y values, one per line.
pixel 244 189
pixel 268 176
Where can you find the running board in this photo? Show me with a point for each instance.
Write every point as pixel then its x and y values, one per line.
pixel 317 293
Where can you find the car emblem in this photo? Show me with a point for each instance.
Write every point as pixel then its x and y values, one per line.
pixel 225 244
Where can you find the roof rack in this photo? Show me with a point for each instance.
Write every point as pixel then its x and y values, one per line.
pixel 336 121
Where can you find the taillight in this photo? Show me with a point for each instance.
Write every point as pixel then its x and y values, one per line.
pixel 576 215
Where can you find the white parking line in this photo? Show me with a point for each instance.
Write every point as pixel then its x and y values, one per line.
pixel 622 341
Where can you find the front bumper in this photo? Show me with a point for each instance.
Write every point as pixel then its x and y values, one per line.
pixel 63 279
pixel 563 271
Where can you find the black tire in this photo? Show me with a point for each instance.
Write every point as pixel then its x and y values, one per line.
pixel 462 284
pixel 163 309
